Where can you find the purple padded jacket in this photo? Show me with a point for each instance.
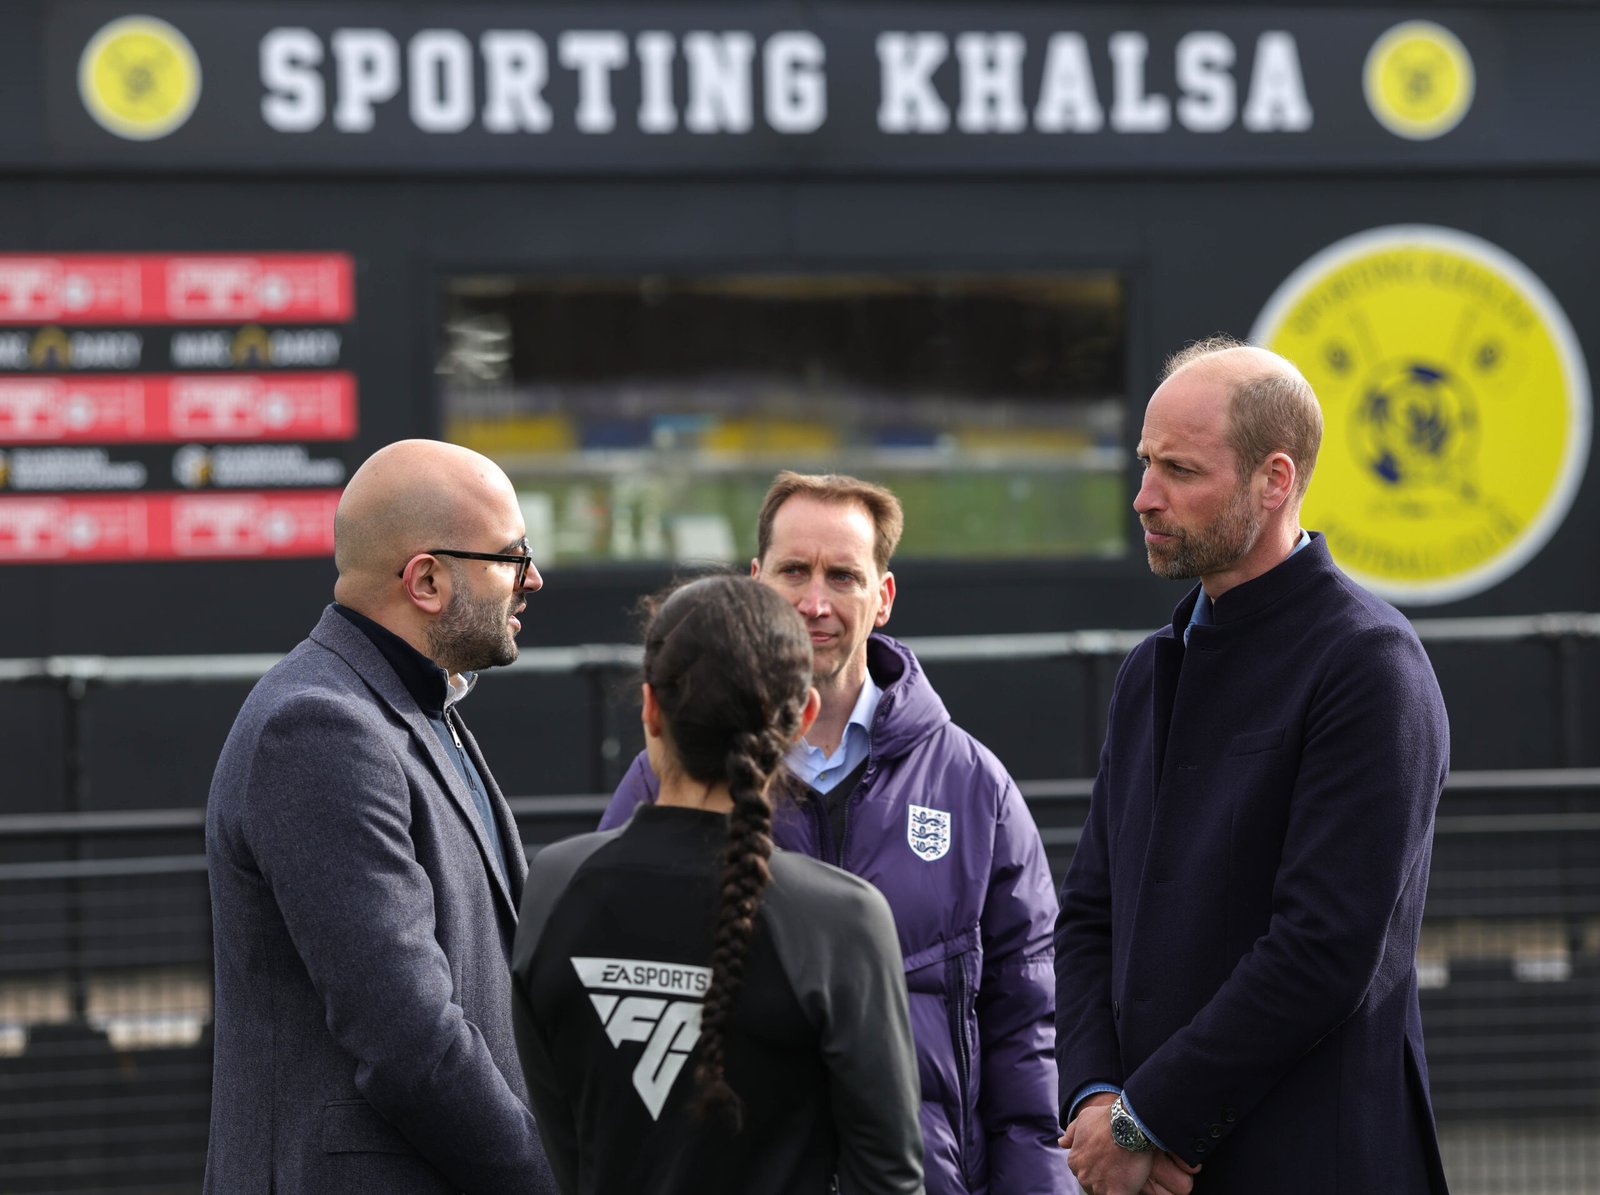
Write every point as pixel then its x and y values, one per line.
pixel 941 830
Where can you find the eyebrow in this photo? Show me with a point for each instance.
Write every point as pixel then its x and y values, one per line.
pixel 517 545
pixel 1141 453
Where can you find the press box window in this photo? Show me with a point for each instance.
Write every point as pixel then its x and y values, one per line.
pixel 643 418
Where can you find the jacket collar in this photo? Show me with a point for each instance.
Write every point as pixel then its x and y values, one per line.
pixel 909 710
pixel 1258 595
pixel 428 683
pixel 341 635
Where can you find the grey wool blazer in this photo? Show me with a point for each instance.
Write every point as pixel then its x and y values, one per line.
pixel 363 1000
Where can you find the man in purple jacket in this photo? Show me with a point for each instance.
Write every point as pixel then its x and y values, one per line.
pixel 892 790
pixel 1237 988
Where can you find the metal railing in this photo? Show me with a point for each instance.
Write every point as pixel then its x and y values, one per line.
pixel 105 934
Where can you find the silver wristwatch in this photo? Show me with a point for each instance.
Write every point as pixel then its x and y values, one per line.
pixel 1125 1130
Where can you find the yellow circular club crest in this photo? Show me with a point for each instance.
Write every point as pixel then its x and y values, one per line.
pixel 1456 407
pixel 139 78
pixel 1419 80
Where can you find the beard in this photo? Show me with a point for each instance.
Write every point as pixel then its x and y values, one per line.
pixel 472 633
pixel 1209 549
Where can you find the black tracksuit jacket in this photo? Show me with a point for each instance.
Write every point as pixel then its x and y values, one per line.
pixel 610 967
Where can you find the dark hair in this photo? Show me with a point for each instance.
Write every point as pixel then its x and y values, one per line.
pixel 729 662
pixel 888 520
pixel 1269 410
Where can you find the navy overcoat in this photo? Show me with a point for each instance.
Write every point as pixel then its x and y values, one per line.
pixel 1238 931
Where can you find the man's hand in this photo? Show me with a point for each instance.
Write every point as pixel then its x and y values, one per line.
pixel 1102 1167
pixel 1170 1175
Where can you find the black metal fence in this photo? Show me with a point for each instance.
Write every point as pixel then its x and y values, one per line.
pixel 105 942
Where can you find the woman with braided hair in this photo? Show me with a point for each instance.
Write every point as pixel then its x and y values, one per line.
pixel 697 1012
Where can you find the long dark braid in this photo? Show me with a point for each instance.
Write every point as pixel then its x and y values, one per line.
pixel 730 664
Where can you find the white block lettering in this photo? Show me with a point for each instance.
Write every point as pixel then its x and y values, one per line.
pixel 594 55
pixel 440 61
pixel 1067 99
pixel 1209 102
pixel 1132 111
pixel 367 72
pixel 991 83
pixel 909 102
pixel 1277 100
pixel 796 93
pixel 516 67
pixel 719 82
pixel 294 101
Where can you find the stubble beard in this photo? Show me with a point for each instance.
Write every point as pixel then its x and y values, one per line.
pixel 825 671
pixel 473 633
pixel 1210 549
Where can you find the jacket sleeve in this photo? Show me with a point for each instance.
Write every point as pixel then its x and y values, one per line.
pixel 1016 1010
pixel 868 1050
pixel 638 787
pixel 1354 861
pixel 1086 1035
pixel 334 846
pixel 548 880
pixel 558 1126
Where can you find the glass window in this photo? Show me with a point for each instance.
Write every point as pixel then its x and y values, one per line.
pixel 643 418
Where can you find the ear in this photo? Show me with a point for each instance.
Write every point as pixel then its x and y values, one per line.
pixel 1279 473
pixel 427 583
pixel 650 715
pixel 885 599
pixel 755 569
pixel 808 716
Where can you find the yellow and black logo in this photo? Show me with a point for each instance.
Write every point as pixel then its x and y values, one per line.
pixel 252 347
pixel 1419 80
pixel 192 467
pixel 50 349
pixel 1456 402
pixel 139 78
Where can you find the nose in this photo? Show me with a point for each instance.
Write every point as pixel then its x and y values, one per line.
pixel 813 602
pixel 531 580
pixel 1149 496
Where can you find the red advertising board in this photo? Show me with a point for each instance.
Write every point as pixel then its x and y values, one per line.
pixel 165 408
pixel 166 526
pixel 156 288
pixel 66 496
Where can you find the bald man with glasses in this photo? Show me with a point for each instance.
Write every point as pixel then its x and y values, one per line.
pixel 365 869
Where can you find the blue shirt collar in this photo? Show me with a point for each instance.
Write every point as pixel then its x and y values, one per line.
pixel 1202 616
pixel 809 762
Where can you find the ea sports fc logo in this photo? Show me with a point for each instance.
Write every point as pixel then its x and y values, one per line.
pixel 1456 407
pixel 139 78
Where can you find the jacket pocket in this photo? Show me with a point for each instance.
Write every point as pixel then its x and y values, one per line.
pixel 355 1126
pixel 942 981
pixel 964 1040
pixel 1253 741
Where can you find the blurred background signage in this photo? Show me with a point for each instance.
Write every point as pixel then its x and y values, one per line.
pixel 818 87
pixel 172 406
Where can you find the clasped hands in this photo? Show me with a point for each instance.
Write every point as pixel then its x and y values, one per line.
pixel 1102 1167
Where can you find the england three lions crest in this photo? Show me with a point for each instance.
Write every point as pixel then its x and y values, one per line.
pixel 928 832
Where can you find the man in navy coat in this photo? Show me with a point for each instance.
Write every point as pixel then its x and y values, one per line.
pixel 1236 991
pixel 365 869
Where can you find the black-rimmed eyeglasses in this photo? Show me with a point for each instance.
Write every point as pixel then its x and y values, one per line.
pixel 522 560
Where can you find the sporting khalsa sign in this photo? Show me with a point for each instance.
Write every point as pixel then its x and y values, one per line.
pixel 822 86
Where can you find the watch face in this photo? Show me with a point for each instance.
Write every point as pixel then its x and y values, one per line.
pixel 1125 1130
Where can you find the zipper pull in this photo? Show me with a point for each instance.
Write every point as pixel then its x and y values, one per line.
pixel 451 723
